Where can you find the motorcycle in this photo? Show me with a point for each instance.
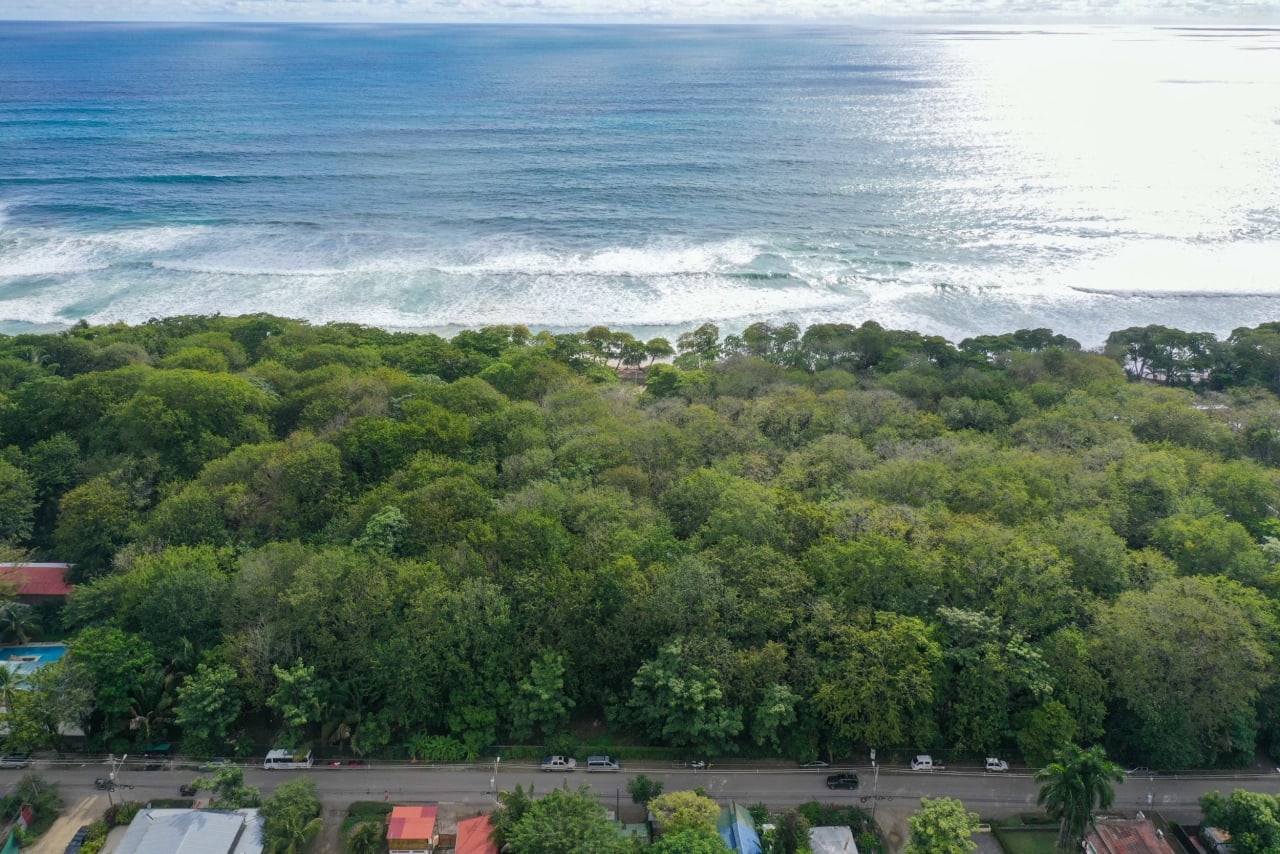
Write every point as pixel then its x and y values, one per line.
pixel 102 783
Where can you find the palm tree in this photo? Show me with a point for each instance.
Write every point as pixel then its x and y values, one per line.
pixel 1073 787
pixel 369 838
pixel 292 833
pixel 10 680
pixel 18 621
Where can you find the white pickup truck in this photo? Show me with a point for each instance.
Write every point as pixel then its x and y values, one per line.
pixel 924 762
pixel 559 763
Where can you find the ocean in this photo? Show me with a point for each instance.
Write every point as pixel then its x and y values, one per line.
pixel 955 181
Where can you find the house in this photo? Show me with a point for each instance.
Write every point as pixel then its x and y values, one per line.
pixel 412 830
pixel 738 829
pixel 1126 836
pixel 473 836
pixel 832 840
pixel 36 583
pixel 184 831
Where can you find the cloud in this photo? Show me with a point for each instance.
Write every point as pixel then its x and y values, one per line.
pixel 1260 11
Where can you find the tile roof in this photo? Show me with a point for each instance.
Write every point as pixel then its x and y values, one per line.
pixel 473 836
pixel 411 823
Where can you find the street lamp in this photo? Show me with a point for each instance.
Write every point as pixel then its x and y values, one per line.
pixel 493 781
pixel 875 786
pixel 111 777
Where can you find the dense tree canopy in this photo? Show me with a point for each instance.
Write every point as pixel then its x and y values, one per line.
pixel 786 541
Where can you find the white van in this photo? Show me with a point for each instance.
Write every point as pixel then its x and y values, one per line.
pixel 602 763
pixel 283 758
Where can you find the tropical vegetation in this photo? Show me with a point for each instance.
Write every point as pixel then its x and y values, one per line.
pixel 785 542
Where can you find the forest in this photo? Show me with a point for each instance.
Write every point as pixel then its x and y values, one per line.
pixel 783 542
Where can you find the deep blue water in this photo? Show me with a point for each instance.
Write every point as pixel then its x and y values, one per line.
pixel 952 181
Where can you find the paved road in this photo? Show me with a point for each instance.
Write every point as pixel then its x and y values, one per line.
pixel 991 795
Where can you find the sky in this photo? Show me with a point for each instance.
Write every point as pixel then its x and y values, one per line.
pixel 1224 12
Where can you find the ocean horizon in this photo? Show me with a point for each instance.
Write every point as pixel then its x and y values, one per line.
pixel 952 180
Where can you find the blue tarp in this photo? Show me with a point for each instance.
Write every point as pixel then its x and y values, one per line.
pixel 738 829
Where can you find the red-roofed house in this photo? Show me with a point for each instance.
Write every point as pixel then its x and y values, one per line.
pixel 1126 836
pixel 33 583
pixel 473 836
pixel 412 830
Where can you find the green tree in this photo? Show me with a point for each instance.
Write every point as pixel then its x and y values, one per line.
pixel 1252 819
pixel 123 667
pixel 291 816
pixel 791 833
pixel 56 697
pixel 1073 786
pixel 17 502
pixel 677 811
pixel 229 789
pixel 383 532
pixel 682 703
pixel 209 703
pixel 692 840
pixel 565 822
pixel 296 697
pixel 94 521
pixel 541 704
pixel 879 682
pixel 368 838
pixel 941 826
pixel 643 790
pixel 18 622
pixel 1187 660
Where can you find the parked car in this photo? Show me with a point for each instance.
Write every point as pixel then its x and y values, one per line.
pixel 77 841
pixel 843 781
pixel 15 760
pixel 187 790
pixel 602 763
pixel 923 762
pixel 559 763
pixel 994 764
pixel 815 765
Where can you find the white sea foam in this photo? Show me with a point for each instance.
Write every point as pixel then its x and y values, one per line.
pixel 1163 267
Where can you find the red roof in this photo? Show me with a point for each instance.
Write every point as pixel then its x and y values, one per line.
pixel 473 836
pixel 1129 836
pixel 412 823
pixel 36 579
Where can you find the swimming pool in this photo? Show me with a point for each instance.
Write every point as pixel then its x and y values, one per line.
pixel 30 657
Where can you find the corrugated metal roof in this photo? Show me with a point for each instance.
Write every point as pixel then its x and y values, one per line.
pixel 175 831
pixel 36 579
pixel 829 839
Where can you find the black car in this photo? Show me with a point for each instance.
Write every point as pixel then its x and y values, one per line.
pixel 842 781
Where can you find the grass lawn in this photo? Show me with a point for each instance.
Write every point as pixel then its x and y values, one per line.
pixel 1016 841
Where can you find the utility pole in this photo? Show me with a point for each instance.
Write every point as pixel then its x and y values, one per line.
pixel 875 786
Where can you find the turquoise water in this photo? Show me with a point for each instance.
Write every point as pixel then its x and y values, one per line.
pixel 30 658
pixel 952 181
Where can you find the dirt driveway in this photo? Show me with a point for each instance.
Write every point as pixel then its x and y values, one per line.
pixel 77 815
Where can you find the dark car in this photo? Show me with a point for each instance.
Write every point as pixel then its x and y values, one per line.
pixel 77 841
pixel 842 781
